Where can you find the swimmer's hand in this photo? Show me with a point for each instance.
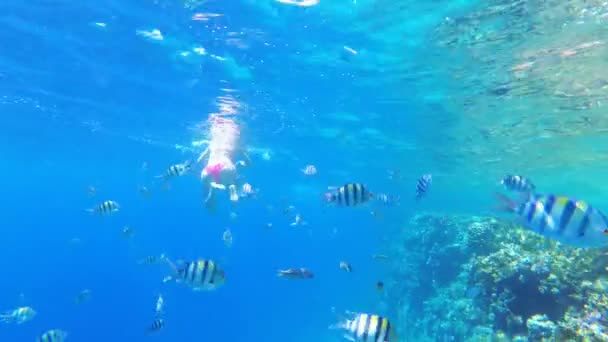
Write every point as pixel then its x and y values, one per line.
pixel 203 155
pixel 218 186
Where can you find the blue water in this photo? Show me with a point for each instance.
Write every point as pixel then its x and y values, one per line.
pixel 85 105
pixel 90 92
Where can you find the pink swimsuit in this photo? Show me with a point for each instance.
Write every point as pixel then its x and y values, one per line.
pixel 214 171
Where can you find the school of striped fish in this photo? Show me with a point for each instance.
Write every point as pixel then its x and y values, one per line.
pixel 562 218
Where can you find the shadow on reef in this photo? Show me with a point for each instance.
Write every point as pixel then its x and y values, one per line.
pixel 483 279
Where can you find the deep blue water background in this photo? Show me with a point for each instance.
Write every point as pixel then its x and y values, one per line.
pixel 59 73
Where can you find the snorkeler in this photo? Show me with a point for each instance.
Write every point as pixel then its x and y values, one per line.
pixel 220 171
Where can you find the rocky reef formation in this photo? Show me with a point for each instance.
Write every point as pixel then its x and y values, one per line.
pixel 463 278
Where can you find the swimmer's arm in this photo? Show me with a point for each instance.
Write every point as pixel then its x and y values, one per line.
pixel 203 155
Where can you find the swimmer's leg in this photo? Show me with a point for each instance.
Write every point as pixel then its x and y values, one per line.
pixel 210 199
pixel 234 196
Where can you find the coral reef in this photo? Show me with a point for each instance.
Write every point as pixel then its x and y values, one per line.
pixel 483 279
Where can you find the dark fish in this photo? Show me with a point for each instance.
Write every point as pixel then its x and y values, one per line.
pixel 296 273
pixel 83 296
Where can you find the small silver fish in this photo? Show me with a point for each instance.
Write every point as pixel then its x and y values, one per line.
pixel 160 306
pixel 127 232
pixel 296 273
pixel 298 221
pixel 227 237
pixel 152 260
pixel 346 266
pixel 83 296
pixel 309 170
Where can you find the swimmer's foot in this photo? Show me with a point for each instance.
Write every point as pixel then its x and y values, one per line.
pixel 234 196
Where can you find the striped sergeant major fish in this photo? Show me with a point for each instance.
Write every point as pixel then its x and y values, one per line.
pixel 18 316
pixel 54 335
pixel 157 325
pixel 517 183
pixel 569 221
pixel 423 185
pixel 362 327
pixel 349 195
pixel 105 208
pixel 176 170
pixel 199 275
